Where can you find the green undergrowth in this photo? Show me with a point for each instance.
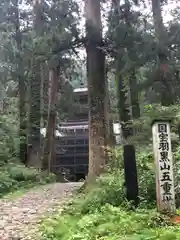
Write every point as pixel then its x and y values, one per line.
pixel 101 211
pixel 92 216
pixel 110 223
pixel 15 179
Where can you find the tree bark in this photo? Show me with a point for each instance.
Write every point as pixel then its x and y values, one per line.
pixel 134 94
pixel 164 75
pixel 122 92
pixel 110 139
pixel 123 106
pixel 22 89
pixel 96 88
pixel 35 91
pixel 49 144
pixel 133 86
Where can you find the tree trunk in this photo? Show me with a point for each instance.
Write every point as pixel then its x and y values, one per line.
pixel 45 94
pixel 122 93
pixel 132 75
pixel 123 106
pixel 49 144
pixel 96 88
pixel 22 90
pixel 134 94
pixel 163 71
pixel 35 86
pixel 35 116
pixel 110 139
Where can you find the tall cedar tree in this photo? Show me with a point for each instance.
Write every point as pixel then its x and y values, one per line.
pixel 35 90
pixel 132 75
pixel 96 88
pixel 21 86
pixel 123 106
pixel 163 74
pixel 49 143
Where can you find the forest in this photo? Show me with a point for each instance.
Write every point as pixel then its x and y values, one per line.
pixel 127 53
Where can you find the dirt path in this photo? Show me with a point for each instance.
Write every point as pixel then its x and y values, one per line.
pixel 19 218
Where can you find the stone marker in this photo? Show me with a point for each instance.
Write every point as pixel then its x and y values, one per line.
pixel 130 171
pixel 164 167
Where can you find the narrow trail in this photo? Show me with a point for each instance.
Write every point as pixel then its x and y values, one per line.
pixel 19 218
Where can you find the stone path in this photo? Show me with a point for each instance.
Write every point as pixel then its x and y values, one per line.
pixel 19 218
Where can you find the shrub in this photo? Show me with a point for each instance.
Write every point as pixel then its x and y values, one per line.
pixel 48 178
pixel 108 189
pixel 13 176
pixel 20 173
pixel 9 138
pixel 146 176
pixel 6 183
